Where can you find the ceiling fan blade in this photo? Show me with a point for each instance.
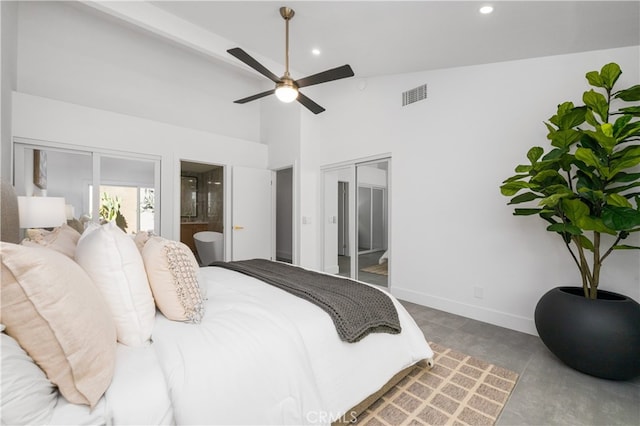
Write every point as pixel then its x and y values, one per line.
pixel 254 97
pixel 247 59
pixel 309 104
pixel 324 76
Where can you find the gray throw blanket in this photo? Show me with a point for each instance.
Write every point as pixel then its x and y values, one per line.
pixel 355 308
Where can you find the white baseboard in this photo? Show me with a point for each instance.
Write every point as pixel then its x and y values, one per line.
pixel 502 319
pixel 333 269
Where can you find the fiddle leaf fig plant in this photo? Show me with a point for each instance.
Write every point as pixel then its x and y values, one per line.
pixel 587 184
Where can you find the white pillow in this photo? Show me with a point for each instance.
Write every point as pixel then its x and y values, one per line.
pixel 27 396
pixel 113 262
pixel 172 270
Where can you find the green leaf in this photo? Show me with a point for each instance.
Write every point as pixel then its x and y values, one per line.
pixel 632 110
pixel 620 218
pixel 554 199
pixel 591 119
pixel 609 74
pixel 618 200
pixel 563 228
pixel 619 189
pixel 597 102
pixel 628 131
pixel 523 198
pixel 607 142
pixel 620 123
pixel 515 178
pixel 589 158
pixel 565 138
pixel 523 168
pixel 594 79
pixel 526 212
pixel 625 247
pixel 626 162
pixel 594 197
pixel 572 118
pixel 631 94
pixel 511 188
pixel 534 154
pixel 574 209
pixel 554 154
pixel 547 178
pixel 590 223
pixel 626 177
pixel 585 242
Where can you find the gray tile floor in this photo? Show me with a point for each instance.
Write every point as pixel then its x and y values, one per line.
pixel 547 392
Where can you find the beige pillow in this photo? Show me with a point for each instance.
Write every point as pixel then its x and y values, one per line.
pixel 141 239
pixel 63 239
pixel 172 270
pixel 51 307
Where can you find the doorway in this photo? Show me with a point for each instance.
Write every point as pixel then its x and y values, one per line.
pixel 284 215
pixel 202 209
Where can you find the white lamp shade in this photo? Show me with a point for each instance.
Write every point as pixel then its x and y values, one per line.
pixel 41 212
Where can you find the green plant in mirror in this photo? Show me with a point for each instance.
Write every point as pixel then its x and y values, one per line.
pixel 110 210
pixel 586 185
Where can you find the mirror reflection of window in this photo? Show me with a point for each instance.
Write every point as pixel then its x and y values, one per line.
pixel 70 174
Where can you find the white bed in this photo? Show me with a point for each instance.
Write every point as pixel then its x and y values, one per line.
pixel 273 358
pixel 256 354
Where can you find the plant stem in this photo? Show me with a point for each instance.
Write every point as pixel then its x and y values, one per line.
pixel 584 268
pixel 608 252
pixel 597 262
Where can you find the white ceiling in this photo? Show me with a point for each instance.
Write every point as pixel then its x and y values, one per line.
pixel 392 37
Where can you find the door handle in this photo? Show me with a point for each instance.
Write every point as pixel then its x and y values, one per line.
pixel 237 228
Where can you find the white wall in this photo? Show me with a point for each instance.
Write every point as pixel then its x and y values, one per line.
pixel 452 230
pixel 73 53
pixel 8 78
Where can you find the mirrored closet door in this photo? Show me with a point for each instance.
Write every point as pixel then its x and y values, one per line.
pixel 96 186
pixel 356 221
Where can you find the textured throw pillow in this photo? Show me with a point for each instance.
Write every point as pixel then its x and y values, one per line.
pixel 113 262
pixel 63 239
pixel 172 270
pixel 27 396
pixel 51 307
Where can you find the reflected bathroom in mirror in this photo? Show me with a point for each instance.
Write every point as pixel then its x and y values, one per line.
pixel 189 197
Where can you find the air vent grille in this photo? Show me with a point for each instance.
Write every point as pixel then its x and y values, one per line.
pixel 414 95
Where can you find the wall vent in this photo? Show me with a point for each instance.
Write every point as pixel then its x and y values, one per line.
pixel 414 95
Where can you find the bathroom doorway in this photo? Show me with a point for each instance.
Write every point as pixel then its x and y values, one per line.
pixel 202 210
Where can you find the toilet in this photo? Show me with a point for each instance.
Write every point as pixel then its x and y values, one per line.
pixel 209 246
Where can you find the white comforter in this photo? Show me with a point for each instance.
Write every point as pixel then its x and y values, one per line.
pixel 263 356
pixel 260 356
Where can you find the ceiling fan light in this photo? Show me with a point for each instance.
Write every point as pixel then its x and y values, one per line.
pixel 286 92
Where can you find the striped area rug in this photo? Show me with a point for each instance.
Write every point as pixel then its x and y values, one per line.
pixel 458 390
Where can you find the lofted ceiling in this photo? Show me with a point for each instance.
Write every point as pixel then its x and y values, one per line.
pixel 387 37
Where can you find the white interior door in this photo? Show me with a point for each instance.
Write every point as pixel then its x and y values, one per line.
pixel 251 212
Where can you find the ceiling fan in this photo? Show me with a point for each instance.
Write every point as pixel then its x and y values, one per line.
pixel 287 88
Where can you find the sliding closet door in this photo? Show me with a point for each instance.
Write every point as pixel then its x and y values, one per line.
pixel 95 185
pixel 373 257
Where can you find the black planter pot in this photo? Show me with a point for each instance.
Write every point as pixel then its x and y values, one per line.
pixel 598 337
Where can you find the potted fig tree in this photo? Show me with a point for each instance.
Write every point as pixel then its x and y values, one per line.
pixel 587 188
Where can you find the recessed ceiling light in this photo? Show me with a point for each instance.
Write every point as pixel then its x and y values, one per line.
pixel 316 52
pixel 485 10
